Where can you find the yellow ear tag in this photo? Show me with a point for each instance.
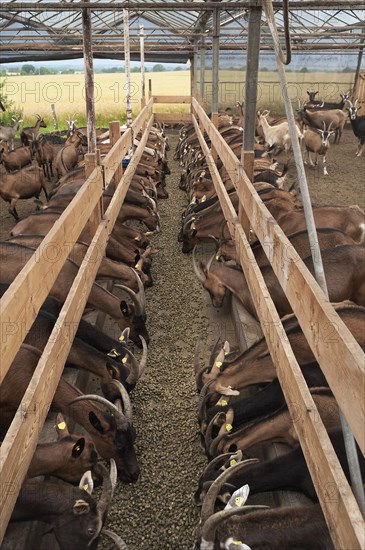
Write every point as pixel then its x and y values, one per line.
pixel 228 427
pixel 237 542
pixel 233 462
pixel 85 487
pixel 121 338
pixel 61 425
pixel 137 266
pixel 113 353
pixel 217 258
pixel 218 364
pixel 77 448
pixel 239 501
pixel 124 360
pixel 223 402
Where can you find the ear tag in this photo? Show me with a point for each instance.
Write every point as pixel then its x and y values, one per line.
pixel 223 402
pixel 61 425
pixel 228 427
pixel 237 542
pixel 233 462
pixel 218 364
pixel 217 258
pixel 121 338
pixel 78 448
pixel 239 501
pixel 113 353
pixel 85 487
pixel 124 360
pixel 137 266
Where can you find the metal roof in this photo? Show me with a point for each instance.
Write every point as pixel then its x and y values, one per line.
pixel 43 30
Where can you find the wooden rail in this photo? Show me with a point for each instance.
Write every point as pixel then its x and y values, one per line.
pixel 166 99
pixel 35 280
pixel 316 317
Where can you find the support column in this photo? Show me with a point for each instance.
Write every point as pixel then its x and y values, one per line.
pixel 114 135
pixel 127 67
pixel 143 84
pixel 89 80
pixel 194 70
pixel 215 60
pixel 202 71
pixel 252 68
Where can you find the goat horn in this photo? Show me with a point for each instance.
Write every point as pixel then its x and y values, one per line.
pixel 210 261
pixel 143 362
pixel 217 462
pixel 210 526
pixel 217 420
pixel 197 268
pixel 209 501
pixel 109 482
pixel 133 375
pixel 121 545
pixel 202 417
pixel 121 420
pixel 138 298
pixel 126 400
pixel 356 102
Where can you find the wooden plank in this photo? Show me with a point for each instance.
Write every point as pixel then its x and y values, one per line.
pixel 173 118
pixel 114 136
pixel 21 439
pixel 113 159
pixel 171 99
pixel 340 508
pixel 17 311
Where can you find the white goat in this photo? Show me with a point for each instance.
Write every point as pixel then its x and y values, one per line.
pixel 277 136
pixel 7 133
pixel 317 141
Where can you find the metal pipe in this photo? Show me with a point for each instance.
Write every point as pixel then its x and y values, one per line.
pixel 127 67
pixel 143 84
pixel 202 70
pixel 215 61
pixel 350 445
pixel 195 68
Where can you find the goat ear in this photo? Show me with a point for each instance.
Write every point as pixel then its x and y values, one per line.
pixel 80 507
pixel 78 447
pixel 95 422
pixel 61 426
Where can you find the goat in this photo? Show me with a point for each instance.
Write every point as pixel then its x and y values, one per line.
pixel 285 472
pixel 317 141
pixel 344 268
pixel 67 458
pixel 277 136
pixel 358 125
pixel 274 426
pixel 15 159
pixel 24 184
pixel 7 133
pixel 326 105
pixel 15 256
pixel 315 119
pixel 68 156
pixel 349 219
pixel 75 517
pixel 44 154
pixel 112 432
pixel 255 365
pixel 31 132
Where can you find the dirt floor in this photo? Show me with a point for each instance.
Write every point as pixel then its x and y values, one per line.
pixel 157 512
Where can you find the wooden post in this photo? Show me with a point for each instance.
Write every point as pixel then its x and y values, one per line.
pixel 149 88
pixel 114 135
pixel 194 70
pixel 253 57
pixel 215 122
pixel 91 161
pixel 55 123
pixel 89 80
pixel 127 60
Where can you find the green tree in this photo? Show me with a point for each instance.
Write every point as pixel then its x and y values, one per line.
pixel 27 69
pixel 178 69
pixel 303 70
pixel 68 71
pixel 135 69
pixel 347 70
pixel 158 68
pixel 8 104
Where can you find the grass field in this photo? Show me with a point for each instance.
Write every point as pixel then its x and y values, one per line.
pixel 35 94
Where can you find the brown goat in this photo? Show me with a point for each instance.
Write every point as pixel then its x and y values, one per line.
pixel 24 184
pixel 16 159
pixel 44 155
pixel 67 157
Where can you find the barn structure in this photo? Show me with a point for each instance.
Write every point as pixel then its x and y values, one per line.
pixel 204 34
